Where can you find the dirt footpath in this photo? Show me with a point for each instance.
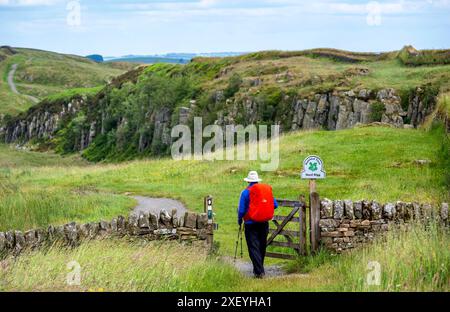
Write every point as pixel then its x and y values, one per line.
pixel 246 268
pixel 155 205
pixel 13 86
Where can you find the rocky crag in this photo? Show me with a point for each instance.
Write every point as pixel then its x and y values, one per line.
pixel 332 111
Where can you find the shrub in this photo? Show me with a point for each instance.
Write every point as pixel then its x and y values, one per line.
pixel 377 111
pixel 234 84
pixel 68 139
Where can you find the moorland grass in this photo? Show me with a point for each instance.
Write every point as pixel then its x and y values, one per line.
pixel 367 162
pixel 42 73
pixel 118 265
pixel 413 259
pixel 361 163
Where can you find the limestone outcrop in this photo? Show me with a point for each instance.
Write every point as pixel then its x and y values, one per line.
pixel 88 118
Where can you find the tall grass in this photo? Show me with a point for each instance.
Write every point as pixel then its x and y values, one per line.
pixel 35 208
pixel 438 125
pixel 413 258
pixel 372 162
pixel 417 259
pixel 118 265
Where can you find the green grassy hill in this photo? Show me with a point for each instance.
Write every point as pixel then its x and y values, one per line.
pixel 368 162
pixel 318 70
pixel 263 87
pixel 365 162
pixel 41 73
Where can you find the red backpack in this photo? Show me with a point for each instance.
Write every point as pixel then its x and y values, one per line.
pixel 261 208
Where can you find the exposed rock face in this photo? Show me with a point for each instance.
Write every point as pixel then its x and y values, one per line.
pixel 161 123
pixel 41 122
pixel 183 115
pixel 418 109
pixel 8 50
pixel 340 110
pixel 333 111
pixel 393 111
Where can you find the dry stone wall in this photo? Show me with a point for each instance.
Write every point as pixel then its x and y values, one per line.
pixel 188 227
pixel 345 224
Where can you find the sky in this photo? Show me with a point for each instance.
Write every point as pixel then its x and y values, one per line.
pixel 119 27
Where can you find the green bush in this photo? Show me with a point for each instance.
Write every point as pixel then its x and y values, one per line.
pixel 377 111
pixel 234 84
pixel 130 111
pixel 68 139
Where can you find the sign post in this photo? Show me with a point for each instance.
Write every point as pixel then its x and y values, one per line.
pixel 208 208
pixel 312 170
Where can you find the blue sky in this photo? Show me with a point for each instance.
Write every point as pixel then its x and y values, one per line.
pixel 123 27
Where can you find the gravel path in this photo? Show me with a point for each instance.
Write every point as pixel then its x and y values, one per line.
pixel 246 268
pixel 11 79
pixel 13 86
pixel 155 205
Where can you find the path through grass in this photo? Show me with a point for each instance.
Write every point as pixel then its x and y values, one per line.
pixel 370 162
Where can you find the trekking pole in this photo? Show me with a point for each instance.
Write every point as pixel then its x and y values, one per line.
pixel 237 243
pixel 240 230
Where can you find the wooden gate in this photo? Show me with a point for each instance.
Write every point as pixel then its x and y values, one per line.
pixel 292 227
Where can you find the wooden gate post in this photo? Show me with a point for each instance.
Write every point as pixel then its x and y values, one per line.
pixel 314 218
pixel 312 170
pixel 208 209
pixel 302 225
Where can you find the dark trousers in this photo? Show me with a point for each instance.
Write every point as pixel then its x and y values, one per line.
pixel 256 237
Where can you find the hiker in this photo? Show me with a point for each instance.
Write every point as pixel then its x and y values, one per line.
pixel 256 209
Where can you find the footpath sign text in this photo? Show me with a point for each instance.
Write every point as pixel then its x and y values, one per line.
pixel 313 168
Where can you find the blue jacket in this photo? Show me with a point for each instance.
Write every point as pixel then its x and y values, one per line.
pixel 244 202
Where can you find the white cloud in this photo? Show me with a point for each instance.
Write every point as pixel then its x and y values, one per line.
pixel 28 2
pixel 208 3
pixel 387 8
pixel 440 3
pixel 277 7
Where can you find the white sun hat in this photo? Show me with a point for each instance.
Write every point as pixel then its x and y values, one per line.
pixel 252 177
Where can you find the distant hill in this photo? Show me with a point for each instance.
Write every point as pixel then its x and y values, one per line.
pixel 173 58
pixel 412 57
pixel 95 57
pixel 41 73
pixel 311 89
pixel 150 60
